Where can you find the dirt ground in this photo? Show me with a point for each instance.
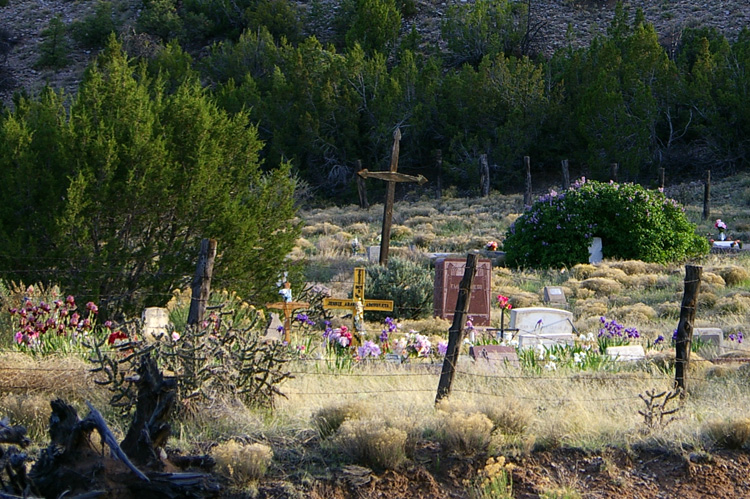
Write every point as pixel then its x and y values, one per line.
pixel 613 473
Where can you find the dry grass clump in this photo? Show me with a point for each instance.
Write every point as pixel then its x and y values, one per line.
pixel 637 313
pixel 630 267
pixel 668 310
pixel 730 434
pixel 523 299
pixel 590 308
pixel 643 281
pixel 424 239
pixel 734 304
pixel 433 326
pixel 734 275
pixel 464 433
pixel 29 410
pixel 324 228
pixel 22 373
pixel 358 228
pixel 707 299
pixel 415 221
pixel 583 271
pixel 610 273
pixel 328 419
pixel 372 442
pixel 508 416
pixel 242 462
pixel 335 245
pixel 602 286
pixel 401 233
pixel 712 279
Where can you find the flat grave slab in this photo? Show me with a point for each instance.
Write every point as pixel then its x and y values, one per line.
pixel 494 354
pixel 542 326
pixel 626 352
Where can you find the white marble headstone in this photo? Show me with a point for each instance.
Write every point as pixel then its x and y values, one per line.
pixel 373 254
pixel 541 325
pixel 626 352
pixel 595 250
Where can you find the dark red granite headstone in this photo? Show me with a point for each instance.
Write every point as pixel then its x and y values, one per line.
pixel 448 275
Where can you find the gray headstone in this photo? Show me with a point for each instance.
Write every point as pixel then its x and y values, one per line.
pixel 494 354
pixel 373 254
pixel 542 326
pixel 554 294
pixel 626 352
pixel 155 322
pixel 272 329
pixel 711 335
pixel 595 250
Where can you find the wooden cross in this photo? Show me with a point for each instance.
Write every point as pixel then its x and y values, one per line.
pixel 391 177
pixel 288 307
pixel 358 304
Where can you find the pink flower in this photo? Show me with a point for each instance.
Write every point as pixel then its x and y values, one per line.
pixel 175 336
pixel 92 307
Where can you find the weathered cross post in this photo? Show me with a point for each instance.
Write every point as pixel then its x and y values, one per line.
pixel 288 307
pixel 358 304
pixel 685 326
pixel 201 286
pixel 391 176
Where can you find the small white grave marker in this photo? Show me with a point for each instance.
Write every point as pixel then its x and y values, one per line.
pixel 595 250
pixel 626 352
pixel 155 322
pixel 554 294
pixel 542 326
pixel 272 330
pixel 373 254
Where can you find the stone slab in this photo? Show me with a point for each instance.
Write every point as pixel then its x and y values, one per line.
pixel 155 322
pixel 272 328
pixel 711 335
pixel 554 294
pixel 373 254
pixel 595 250
pixel 494 354
pixel 448 275
pixel 626 352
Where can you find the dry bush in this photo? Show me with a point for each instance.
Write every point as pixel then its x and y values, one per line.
pixel 242 462
pixel 332 246
pixel 610 273
pixel 669 310
pixel 304 245
pixel 630 267
pixel 583 271
pixel 61 375
pixel 29 410
pixel 602 286
pixel 637 313
pixel 735 304
pixel 401 233
pixel 591 308
pixel 328 419
pixel 464 433
pixel 707 299
pixel 713 279
pixel 414 221
pixel 358 228
pixel 372 442
pixel 324 228
pixel 424 239
pixel 524 299
pixel 508 416
pixel 641 281
pixel 730 434
pixel 734 275
pixel 584 293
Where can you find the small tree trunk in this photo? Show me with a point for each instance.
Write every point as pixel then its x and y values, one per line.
pixel 484 176
pixel 566 175
pixel 707 196
pixel 361 188
pixel 527 192
pixel 439 166
pixel 613 171
pixel 201 286
pixel 662 175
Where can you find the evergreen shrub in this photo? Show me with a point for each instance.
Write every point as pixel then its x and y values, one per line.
pixel 408 284
pixel 633 222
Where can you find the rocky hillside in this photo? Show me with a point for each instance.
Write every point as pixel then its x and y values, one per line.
pixel 559 22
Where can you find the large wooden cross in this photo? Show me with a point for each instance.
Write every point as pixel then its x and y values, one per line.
pixel 358 304
pixel 288 307
pixel 391 177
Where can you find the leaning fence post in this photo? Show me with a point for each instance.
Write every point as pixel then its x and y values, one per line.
pixel 455 333
pixel 527 192
pixel 685 326
pixel 707 196
pixel 566 175
pixel 201 286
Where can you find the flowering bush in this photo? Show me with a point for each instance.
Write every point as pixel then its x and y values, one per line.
pixel 413 345
pixel 613 334
pixel 504 302
pixel 633 222
pixel 58 327
pixel 491 246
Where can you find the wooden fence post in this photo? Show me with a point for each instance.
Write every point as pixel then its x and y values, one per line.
pixel 566 175
pixel 484 176
pixel 613 171
pixel 201 286
pixel 685 326
pixel 439 166
pixel 707 196
pixel 527 192
pixel 455 333
pixel 361 188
